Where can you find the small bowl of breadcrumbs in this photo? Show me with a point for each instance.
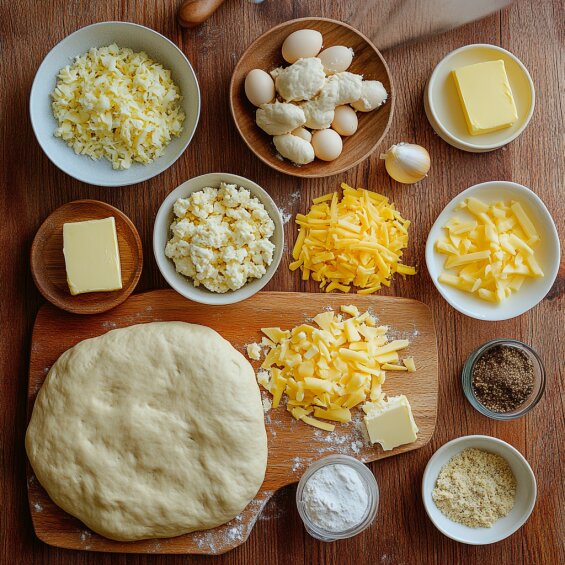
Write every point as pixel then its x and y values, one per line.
pixel 478 490
pixel 503 379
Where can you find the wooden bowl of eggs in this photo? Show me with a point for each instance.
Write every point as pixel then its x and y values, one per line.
pixel 312 97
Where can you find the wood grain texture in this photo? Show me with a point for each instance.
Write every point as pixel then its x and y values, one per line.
pixel 292 445
pixel 265 53
pixel 32 188
pixel 47 261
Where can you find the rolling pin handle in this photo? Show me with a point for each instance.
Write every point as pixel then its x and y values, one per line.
pixel 195 12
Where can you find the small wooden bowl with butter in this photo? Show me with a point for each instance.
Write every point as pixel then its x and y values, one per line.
pixel 48 266
pixel 265 54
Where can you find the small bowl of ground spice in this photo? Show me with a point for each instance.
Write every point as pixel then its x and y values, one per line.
pixel 478 489
pixel 503 379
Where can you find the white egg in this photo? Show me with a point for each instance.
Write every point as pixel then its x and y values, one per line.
pixel 302 44
pixel 336 59
pixel 303 133
pixel 259 87
pixel 327 144
pixel 345 120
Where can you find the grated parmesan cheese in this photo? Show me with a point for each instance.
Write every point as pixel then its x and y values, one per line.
pixel 476 488
pixel 117 104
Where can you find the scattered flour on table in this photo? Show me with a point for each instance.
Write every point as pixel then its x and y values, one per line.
pixel 286 208
pixel 335 498
pixel 37 507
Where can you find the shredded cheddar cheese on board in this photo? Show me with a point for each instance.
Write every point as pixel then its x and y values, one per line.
pixel 492 254
pixel 357 241
pixel 328 368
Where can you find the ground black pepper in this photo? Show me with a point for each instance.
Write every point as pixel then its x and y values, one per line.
pixel 502 378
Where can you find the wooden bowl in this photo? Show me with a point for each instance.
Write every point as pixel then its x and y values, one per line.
pixel 265 53
pixel 48 261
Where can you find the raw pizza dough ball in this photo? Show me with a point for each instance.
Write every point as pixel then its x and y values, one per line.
pixel 319 113
pixel 150 431
pixel 294 148
pixel 343 88
pixel 302 80
pixel 303 133
pixel 373 95
pixel 279 118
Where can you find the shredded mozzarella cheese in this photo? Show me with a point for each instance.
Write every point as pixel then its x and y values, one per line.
pixel 117 104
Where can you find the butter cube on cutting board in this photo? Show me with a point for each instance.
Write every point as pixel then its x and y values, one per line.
pixel 92 256
pixel 486 96
pixel 390 422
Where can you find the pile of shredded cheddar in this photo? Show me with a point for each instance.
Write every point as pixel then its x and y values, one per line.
pixel 328 368
pixel 357 241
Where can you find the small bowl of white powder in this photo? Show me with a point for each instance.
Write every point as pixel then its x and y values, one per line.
pixel 337 498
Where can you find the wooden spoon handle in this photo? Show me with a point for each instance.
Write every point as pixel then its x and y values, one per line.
pixel 194 12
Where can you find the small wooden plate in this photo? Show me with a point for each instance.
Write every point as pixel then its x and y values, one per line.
pixel 265 53
pixel 48 261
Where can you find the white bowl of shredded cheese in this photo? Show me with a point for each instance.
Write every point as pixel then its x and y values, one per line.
pixel 524 497
pixel 114 104
pixel 218 238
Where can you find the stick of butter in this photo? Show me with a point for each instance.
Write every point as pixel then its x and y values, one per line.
pixel 390 422
pixel 92 256
pixel 486 96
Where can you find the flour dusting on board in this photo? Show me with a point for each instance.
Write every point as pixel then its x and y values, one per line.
pixel 234 532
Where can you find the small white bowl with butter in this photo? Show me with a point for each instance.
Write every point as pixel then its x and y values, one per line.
pixel 160 50
pixel 184 285
pixel 444 108
pixel 547 253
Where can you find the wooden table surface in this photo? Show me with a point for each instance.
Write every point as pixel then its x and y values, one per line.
pixel 32 187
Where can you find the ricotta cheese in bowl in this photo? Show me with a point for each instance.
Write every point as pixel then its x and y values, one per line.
pixel 218 238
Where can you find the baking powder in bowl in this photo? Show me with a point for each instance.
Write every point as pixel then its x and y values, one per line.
pixel 335 498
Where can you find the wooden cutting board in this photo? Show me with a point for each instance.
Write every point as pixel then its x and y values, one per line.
pixel 292 445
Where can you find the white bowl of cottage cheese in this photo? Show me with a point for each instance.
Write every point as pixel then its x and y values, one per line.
pixel 218 238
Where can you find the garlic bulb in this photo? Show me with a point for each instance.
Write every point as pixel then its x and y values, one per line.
pixel 407 162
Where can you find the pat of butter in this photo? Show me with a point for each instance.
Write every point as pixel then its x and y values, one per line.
pixel 390 422
pixel 92 256
pixel 486 96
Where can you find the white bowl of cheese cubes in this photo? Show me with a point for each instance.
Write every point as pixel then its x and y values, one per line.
pixel 114 104
pixel 493 253
pixel 218 238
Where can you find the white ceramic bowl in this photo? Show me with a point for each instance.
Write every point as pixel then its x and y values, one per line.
pixel 443 108
pixel 547 252
pixel 124 34
pixel 161 234
pixel 526 491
